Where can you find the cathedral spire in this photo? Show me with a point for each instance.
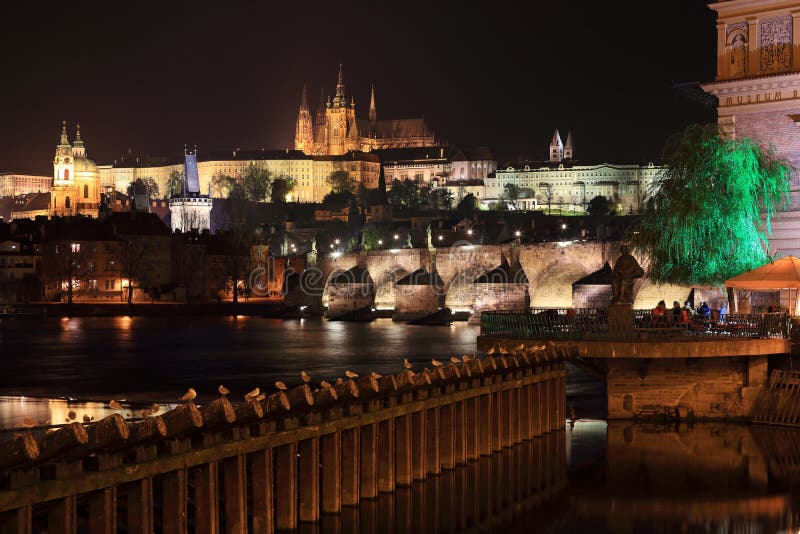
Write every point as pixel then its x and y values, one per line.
pixel 64 140
pixel 340 100
pixel 556 147
pixel 373 115
pixel 569 149
pixel 304 99
pixel 78 149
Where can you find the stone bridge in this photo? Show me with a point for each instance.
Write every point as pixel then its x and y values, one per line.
pixel 546 271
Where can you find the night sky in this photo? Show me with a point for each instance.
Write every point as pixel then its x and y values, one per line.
pixel 150 77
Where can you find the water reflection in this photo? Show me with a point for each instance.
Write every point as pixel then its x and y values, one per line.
pixel 486 495
pixel 709 478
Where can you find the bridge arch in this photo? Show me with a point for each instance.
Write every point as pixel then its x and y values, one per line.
pixel 552 286
pixel 386 287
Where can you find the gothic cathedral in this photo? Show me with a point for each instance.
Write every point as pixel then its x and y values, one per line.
pixel 336 130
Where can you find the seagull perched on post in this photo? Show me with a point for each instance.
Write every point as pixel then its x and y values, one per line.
pixel 281 386
pixel 190 394
pixel 252 394
pixel 406 363
pixel 114 405
pixel 350 374
pixel 305 377
pixel 436 363
pixel 223 390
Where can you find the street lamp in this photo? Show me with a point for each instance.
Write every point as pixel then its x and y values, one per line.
pixel 396 237
pixel 517 233
pixel 380 241
pixel 469 232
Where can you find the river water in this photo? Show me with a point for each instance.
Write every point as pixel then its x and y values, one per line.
pixel 619 477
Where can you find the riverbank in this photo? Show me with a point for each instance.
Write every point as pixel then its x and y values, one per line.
pixel 272 308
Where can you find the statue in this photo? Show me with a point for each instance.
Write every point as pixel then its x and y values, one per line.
pixel 626 270
pixel 738 55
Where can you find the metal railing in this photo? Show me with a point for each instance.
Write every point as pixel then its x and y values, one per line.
pixel 593 323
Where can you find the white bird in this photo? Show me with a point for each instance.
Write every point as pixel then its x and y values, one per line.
pixel 490 351
pixel 406 363
pixel 260 397
pixel 375 375
pixel 281 386
pixel 252 394
pixel 114 405
pixel 350 374
pixel 305 377
pixel 325 385
pixel 453 359
pixel 190 394
pixel 436 363
pixel 223 390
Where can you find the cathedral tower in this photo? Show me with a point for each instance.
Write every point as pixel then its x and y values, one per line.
pixel 556 148
pixel 62 195
pixel 569 149
pixel 304 133
pixel 340 118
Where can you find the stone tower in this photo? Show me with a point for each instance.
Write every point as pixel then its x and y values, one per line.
pixel 556 148
pixel 569 149
pixel 320 128
pixel 340 118
pixel 758 87
pixel 304 132
pixel 62 196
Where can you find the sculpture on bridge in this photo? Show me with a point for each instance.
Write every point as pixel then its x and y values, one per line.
pixel 626 270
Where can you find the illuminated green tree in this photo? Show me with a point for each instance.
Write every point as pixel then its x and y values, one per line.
pixel 709 215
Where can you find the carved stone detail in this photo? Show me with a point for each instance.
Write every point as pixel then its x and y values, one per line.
pixel 775 39
pixel 736 48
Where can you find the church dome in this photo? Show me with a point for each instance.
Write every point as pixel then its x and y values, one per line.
pixel 85 165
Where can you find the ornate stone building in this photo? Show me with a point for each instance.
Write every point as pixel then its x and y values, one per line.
pixel 337 130
pixel 758 88
pixel 563 184
pixel 76 179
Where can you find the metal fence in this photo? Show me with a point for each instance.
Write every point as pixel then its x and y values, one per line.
pixel 593 323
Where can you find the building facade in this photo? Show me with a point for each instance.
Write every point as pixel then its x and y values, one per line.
pixel 190 210
pixel 12 184
pixel 757 87
pixel 564 184
pixel 338 130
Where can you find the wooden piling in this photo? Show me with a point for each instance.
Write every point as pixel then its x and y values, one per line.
pixel 386 456
pixel 206 498
pixel 402 448
pixel 447 436
pixel 62 516
pixel 103 511
pixel 331 448
pixel 140 506
pixel 432 434
pixel 286 487
pixel 350 443
pixel 175 501
pixel 419 457
pixel 234 472
pixel 261 475
pixel 368 461
pixel 308 483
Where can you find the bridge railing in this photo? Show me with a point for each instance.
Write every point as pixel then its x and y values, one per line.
pixel 593 323
pixel 286 458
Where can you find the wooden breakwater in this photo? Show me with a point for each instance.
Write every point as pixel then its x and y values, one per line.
pixel 274 463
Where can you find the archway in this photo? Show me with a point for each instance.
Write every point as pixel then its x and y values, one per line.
pixel 552 288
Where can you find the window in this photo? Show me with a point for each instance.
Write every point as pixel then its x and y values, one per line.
pixel 66 174
pixel 76 247
pixel 85 191
pixel 67 203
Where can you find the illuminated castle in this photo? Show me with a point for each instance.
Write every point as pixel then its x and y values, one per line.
pixel 336 130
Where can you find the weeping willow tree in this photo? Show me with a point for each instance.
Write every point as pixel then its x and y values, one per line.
pixel 709 216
